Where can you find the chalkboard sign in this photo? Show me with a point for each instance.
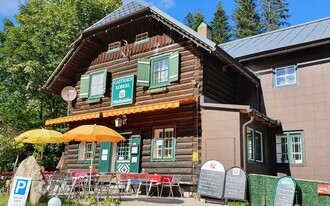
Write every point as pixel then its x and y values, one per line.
pixel 235 186
pixel 211 180
pixel 285 191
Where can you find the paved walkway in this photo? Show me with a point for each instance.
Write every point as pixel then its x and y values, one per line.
pixel 143 200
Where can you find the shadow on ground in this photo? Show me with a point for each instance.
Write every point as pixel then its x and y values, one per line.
pixel 153 200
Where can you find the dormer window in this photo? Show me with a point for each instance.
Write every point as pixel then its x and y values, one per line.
pixel 141 38
pixel 113 47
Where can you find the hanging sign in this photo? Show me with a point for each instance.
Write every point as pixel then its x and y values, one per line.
pixel 211 180
pixel 123 90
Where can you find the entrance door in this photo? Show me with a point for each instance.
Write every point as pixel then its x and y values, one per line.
pixel 105 157
pixel 128 154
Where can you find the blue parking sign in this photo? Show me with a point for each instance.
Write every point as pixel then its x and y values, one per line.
pixel 20 187
pixel 20 191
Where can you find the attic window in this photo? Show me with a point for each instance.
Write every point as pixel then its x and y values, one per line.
pixel 113 47
pixel 141 38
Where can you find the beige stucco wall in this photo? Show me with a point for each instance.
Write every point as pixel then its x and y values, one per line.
pixel 306 107
pixel 220 137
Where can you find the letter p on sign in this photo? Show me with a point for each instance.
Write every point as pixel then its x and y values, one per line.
pixel 20 187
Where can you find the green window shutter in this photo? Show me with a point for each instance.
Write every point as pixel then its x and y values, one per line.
pixel 84 86
pixel 174 66
pixel 143 72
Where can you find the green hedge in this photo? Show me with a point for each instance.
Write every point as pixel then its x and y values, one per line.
pixel 262 191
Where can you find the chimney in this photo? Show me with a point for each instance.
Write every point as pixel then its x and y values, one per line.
pixel 205 30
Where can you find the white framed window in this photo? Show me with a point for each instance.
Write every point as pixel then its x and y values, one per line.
pixel 158 71
pixel 285 76
pixel 289 147
pixel 86 152
pixel 93 86
pixel 254 145
pixel 163 144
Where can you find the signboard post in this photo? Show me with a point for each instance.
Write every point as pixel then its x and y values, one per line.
pixel 211 180
pixel 285 191
pixel 123 90
pixel 20 191
pixel 235 186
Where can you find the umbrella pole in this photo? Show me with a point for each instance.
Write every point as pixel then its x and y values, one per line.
pixel 91 169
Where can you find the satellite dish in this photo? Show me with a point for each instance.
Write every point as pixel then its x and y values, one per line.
pixel 69 93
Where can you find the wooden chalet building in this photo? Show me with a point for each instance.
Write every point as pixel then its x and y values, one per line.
pixel 182 99
pixel 293 65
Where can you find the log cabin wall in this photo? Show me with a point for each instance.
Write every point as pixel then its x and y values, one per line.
pixel 226 86
pixel 161 40
pixel 185 119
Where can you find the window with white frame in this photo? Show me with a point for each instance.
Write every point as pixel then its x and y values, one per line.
pixel 158 71
pixel 289 147
pixel 254 145
pixel 86 152
pixel 93 86
pixel 285 76
pixel 163 144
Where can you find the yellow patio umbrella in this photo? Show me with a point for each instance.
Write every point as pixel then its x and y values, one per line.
pixel 40 136
pixel 93 133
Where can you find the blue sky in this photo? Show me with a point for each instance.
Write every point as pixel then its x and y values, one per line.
pixel 301 10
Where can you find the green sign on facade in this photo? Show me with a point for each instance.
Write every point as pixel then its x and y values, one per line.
pixel 123 90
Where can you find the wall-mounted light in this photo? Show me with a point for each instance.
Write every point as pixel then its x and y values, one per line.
pixel 120 121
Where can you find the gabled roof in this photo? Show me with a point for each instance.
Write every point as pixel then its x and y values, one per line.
pixel 134 9
pixel 135 6
pixel 294 36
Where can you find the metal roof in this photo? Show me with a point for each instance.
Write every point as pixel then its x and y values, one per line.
pixel 293 36
pixel 138 5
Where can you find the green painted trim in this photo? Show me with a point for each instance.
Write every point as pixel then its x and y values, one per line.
pixel 287 135
pixel 97 98
pixel 285 85
pixel 141 42
pixel 157 90
pixel 113 50
pixel 202 25
pixel 253 160
pixel 173 159
pixel 152 61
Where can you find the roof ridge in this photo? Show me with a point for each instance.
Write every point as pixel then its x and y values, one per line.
pixel 278 30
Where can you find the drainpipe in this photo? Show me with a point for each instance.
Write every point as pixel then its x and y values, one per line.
pixel 244 136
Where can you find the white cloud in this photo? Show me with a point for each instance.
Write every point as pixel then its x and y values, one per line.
pixel 8 7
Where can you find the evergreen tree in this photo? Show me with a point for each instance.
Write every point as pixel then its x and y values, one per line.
pixel 246 18
pixel 220 26
pixel 194 20
pixel 274 14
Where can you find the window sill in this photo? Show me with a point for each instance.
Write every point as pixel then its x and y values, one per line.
pixel 141 42
pixel 163 160
pixel 157 90
pixel 113 51
pixel 93 100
